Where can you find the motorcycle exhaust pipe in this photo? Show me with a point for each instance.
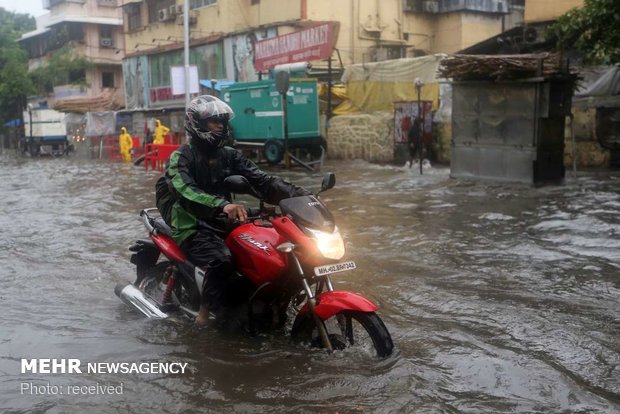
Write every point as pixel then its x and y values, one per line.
pixel 138 300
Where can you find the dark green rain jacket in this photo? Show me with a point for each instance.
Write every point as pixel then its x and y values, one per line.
pixel 192 188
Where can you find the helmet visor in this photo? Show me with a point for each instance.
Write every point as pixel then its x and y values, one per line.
pixel 203 124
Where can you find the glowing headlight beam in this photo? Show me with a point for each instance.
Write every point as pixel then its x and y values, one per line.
pixel 330 245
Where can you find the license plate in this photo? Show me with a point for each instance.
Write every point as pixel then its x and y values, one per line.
pixel 333 268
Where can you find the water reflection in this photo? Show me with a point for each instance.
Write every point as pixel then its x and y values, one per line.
pixel 500 297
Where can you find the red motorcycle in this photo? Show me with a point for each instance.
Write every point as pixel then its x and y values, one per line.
pixel 284 257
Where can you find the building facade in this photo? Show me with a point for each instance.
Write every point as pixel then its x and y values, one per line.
pixel 543 10
pixel 222 34
pixel 92 29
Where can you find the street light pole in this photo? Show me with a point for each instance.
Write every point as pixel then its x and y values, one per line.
pixel 418 86
pixel 186 49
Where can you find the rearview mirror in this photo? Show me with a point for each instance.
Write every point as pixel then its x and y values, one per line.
pixel 238 184
pixel 329 181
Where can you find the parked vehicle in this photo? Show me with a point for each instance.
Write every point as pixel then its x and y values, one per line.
pixel 45 133
pixel 284 257
pixel 259 118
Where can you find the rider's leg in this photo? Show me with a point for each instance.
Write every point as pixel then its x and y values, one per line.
pixel 412 153
pixel 208 251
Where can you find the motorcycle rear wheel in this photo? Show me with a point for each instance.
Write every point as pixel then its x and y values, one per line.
pixel 347 329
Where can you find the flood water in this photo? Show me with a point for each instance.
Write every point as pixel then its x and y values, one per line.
pixel 499 298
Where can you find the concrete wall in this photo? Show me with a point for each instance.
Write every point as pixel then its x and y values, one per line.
pixel 212 20
pixel 364 25
pixel 369 137
pixel 540 10
pixel 362 136
pixel 89 8
pixel 588 152
pixel 456 31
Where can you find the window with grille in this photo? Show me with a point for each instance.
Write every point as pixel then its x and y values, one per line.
pixel 134 17
pixel 196 4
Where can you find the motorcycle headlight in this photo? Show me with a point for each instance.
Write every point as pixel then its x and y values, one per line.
pixel 330 245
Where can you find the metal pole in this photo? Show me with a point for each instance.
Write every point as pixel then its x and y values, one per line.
pixel 186 48
pixel 418 86
pixel 287 158
pixel 30 118
pixel 30 141
pixel 329 88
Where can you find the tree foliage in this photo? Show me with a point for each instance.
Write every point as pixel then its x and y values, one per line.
pixel 15 84
pixel 594 30
pixel 62 68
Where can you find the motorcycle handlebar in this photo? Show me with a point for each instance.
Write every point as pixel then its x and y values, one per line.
pixel 254 213
pixel 221 219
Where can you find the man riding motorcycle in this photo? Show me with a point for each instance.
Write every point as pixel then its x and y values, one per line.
pixel 190 194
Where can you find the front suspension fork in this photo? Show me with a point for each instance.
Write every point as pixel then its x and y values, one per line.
pixel 320 326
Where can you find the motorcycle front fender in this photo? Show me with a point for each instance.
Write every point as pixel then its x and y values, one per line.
pixel 331 303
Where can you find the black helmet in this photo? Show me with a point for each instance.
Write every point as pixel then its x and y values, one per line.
pixel 204 109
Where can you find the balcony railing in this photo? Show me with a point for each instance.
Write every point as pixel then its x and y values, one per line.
pixel 489 6
pixel 107 3
pixel 48 4
pixel 447 6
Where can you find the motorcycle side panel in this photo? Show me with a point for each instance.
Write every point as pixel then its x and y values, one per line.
pixel 330 303
pixel 254 252
pixel 168 247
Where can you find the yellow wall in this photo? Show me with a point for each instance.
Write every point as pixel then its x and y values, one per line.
pixel 477 28
pixel 449 34
pixel 456 31
pixel 218 18
pixel 540 10
pixel 420 33
pixel 364 24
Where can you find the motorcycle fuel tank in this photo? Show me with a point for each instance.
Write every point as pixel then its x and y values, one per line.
pixel 254 251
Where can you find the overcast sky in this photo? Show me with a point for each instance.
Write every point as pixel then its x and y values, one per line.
pixel 32 7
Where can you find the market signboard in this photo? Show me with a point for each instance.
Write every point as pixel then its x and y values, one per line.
pixel 314 43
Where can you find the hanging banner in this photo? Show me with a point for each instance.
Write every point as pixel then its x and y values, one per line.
pixel 309 44
pixel 177 77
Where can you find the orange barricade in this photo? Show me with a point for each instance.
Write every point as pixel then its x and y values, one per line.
pixel 108 147
pixel 137 146
pixel 156 156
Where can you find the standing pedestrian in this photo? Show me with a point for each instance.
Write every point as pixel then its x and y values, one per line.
pixel 125 143
pixel 160 132
pixel 414 140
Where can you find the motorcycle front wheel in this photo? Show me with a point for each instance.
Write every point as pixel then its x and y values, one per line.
pixel 346 329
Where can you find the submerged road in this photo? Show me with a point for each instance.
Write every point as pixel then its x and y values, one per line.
pixel 499 298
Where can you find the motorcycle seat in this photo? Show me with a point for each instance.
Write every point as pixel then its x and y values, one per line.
pixel 162 227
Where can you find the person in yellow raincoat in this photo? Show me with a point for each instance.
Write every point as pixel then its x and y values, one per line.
pixel 125 143
pixel 160 132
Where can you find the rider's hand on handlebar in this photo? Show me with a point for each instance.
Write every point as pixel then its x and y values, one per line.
pixel 236 211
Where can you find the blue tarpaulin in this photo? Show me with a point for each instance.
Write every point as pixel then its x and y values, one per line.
pixel 218 86
pixel 14 123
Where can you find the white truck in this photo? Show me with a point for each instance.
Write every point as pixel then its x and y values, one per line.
pixel 45 132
